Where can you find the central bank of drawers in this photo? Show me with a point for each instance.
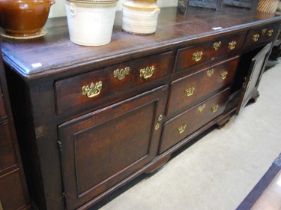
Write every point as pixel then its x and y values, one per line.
pixel 202 94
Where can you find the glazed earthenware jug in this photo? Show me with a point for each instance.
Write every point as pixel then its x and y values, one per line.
pixel 24 18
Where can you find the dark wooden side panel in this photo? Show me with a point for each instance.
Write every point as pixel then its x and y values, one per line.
pixel 12 191
pixel 2 108
pixel 106 146
pixel 7 154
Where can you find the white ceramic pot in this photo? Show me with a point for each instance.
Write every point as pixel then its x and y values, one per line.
pixel 140 18
pixel 91 23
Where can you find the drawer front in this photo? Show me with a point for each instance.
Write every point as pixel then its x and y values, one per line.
pixel 2 107
pixel 191 56
pixel 226 46
pixel 220 47
pixel 105 147
pixel 191 120
pixel 7 155
pixel 261 35
pixel 12 194
pixel 94 87
pixel 194 88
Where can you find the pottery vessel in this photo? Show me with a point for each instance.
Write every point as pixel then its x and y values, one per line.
pixel 90 22
pixel 24 18
pixel 140 16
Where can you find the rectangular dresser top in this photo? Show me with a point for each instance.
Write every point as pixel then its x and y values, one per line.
pixel 55 53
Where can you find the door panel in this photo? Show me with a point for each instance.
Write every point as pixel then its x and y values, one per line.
pixel 254 76
pixel 102 148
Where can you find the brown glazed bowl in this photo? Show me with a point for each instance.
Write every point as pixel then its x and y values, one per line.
pixel 23 18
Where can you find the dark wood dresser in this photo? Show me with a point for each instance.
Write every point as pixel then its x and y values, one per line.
pixel 13 191
pixel 90 119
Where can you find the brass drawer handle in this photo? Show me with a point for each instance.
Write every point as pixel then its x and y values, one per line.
pixel 215 108
pixel 217 45
pixel 256 37
pixel 270 32
pixel 147 72
pixel 189 91
pixel 210 72
pixel 121 73
pixel 224 75
pixel 92 90
pixel 232 45
pixel 197 56
pixel 182 129
pixel 202 108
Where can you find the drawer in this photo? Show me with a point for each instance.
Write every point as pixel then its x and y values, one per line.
pixel 191 120
pixel 226 46
pixel 261 35
pixel 91 88
pixel 12 194
pixel 220 47
pixel 196 87
pixel 7 155
pixel 2 107
pixel 191 56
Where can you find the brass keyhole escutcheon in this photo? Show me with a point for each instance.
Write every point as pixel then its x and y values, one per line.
pixel 157 126
pixel 189 91
pixel 182 128
pixel 197 56
pixel 159 120
pixel 92 90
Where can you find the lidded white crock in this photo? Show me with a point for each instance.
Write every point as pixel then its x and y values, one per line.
pixel 140 16
pixel 90 22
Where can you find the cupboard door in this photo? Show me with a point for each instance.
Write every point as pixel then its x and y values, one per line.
pixel 254 76
pixel 101 149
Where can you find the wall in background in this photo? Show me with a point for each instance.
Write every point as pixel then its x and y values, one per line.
pixel 58 10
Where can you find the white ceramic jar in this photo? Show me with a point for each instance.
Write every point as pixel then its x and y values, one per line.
pixel 90 22
pixel 140 17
